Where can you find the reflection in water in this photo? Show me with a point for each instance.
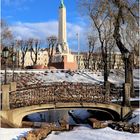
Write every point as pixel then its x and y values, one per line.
pixel 48 116
pixel 71 116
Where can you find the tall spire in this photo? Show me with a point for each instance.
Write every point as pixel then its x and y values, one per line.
pixel 62 33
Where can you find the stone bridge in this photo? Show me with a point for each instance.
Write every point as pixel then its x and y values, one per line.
pixel 16 104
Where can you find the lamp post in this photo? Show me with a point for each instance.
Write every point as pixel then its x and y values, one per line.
pixel 126 98
pixel 5 55
pixel 78 42
pixel 126 55
pixel 14 59
pixel 90 43
pixel 17 46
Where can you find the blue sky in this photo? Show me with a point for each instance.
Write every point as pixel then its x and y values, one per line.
pixel 39 19
pixel 36 10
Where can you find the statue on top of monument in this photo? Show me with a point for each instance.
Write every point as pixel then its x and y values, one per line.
pixel 62 2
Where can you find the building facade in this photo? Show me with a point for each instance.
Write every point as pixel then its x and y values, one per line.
pixel 42 58
pixel 95 62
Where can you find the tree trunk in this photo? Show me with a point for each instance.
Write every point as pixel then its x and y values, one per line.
pixel 130 74
pixel 124 50
pixel 32 57
pixel 36 58
pixel 105 70
pixel 88 62
pixel 104 55
pixel 50 59
pixel 22 63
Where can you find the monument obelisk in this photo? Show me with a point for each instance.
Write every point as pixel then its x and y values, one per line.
pixel 62 33
pixel 63 59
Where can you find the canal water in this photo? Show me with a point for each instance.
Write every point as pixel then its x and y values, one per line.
pixel 78 116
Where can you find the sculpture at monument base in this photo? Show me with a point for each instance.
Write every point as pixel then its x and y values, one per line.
pixel 64 61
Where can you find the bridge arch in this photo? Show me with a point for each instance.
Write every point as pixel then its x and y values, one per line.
pixel 106 115
pixel 15 116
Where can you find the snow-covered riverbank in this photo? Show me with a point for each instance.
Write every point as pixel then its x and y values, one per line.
pixel 84 133
pixel 78 133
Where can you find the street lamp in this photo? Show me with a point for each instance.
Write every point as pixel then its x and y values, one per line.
pixel 17 46
pixel 126 55
pixel 90 41
pixel 126 98
pixel 5 52
pixel 78 41
pixel 14 59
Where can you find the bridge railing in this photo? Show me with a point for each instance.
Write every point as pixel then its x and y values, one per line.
pixel 58 92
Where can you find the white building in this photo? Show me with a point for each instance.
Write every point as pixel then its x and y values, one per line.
pixel 42 58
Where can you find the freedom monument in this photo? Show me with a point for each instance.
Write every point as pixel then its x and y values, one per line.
pixel 63 59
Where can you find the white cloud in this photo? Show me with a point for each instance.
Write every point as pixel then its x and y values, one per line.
pixel 44 29
pixel 35 30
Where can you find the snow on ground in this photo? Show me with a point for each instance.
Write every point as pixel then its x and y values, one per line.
pixel 84 133
pixel 136 73
pixel 131 99
pixel 78 133
pixel 12 133
pixel 135 116
pixel 48 76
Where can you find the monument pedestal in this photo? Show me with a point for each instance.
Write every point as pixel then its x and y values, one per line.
pixel 64 61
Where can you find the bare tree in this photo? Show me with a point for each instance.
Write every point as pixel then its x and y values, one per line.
pixel 6 34
pixel 109 44
pixel 122 13
pixel 34 47
pixel 103 26
pixel 23 44
pixel 126 13
pixel 17 50
pixel 6 40
pixel 51 41
pixel 89 56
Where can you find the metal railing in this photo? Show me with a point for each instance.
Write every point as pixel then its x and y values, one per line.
pixel 58 92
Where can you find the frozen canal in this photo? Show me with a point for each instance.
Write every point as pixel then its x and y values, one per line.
pixel 78 133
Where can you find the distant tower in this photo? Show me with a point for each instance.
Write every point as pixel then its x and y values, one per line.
pixel 62 33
